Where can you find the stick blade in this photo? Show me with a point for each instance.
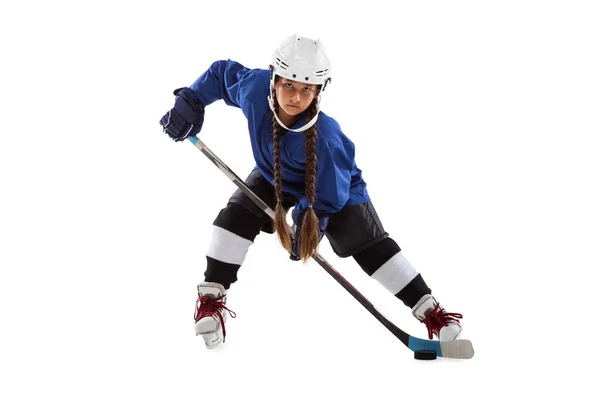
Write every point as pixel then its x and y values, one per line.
pixel 460 348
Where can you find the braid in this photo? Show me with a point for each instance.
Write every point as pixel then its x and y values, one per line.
pixel 310 225
pixel 311 154
pixel 280 223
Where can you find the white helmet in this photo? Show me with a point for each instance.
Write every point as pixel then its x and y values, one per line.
pixel 300 59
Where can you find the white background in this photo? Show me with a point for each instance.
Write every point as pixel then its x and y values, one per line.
pixel 476 125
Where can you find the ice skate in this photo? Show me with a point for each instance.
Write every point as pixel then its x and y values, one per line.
pixel 211 313
pixel 440 323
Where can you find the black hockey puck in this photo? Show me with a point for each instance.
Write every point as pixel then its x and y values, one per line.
pixel 425 355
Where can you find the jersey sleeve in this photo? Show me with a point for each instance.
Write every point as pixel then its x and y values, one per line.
pixel 222 81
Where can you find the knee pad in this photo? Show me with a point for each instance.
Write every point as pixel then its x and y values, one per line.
pixel 237 219
pixel 370 259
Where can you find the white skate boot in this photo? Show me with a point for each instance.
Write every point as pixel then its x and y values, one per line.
pixel 440 323
pixel 211 313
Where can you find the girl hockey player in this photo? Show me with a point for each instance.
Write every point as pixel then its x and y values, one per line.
pixel 304 161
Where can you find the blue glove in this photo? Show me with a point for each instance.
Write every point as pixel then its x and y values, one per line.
pixel 297 217
pixel 185 118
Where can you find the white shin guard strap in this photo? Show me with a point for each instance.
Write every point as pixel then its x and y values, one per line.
pixel 395 273
pixel 228 247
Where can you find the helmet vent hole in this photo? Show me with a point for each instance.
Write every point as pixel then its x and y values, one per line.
pixel 281 64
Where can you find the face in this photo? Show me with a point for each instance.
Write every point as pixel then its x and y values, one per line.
pixel 294 97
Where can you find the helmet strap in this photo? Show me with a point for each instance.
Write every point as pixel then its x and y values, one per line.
pixel 301 129
pixel 328 80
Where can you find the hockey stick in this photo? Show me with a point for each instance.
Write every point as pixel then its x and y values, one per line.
pixel 451 349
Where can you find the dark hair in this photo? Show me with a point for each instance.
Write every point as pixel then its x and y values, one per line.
pixel 309 234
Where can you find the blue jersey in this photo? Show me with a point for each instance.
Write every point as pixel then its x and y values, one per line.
pixel 339 182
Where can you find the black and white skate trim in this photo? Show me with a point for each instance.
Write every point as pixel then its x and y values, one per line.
pixel 460 348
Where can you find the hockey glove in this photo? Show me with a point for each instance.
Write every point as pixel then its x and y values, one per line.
pixel 297 217
pixel 185 118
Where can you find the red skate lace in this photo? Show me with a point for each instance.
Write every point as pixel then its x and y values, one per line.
pixel 209 306
pixel 437 318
